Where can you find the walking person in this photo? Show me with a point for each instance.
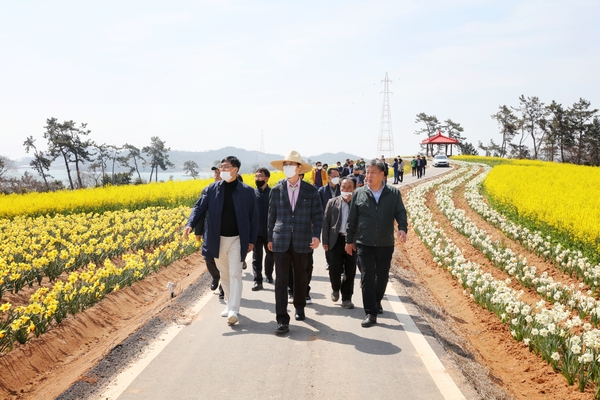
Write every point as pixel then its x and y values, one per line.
pixel 332 189
pixel 396 172
pixel 413 166
pixel 211 266
pixel 319 175
pixel 370 232
pixel 335 220
pixel 423 165
pixel 262 192
pixel 231 230
pixel 294 230
pixel 419 167
pixel 400 169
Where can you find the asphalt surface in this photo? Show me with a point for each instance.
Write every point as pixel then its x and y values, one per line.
pixel 329 355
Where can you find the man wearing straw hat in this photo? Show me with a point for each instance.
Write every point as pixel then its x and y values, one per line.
pixel 293 231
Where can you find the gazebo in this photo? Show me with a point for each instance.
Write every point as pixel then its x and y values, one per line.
pixel 439 139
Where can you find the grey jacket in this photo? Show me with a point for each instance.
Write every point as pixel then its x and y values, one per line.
pixel 371 223
pixel 332 221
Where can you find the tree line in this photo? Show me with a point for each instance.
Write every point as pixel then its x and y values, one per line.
pixel 432 125
pixel 71 145
pixel 550 132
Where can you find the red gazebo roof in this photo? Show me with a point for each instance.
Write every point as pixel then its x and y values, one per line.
pixel 439 139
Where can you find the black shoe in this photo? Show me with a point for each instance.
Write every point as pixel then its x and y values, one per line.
pixel 214 284
pixel 270 279
pixel 300 316
pixel 244 265
pixel 257 286
pixel 379 309
pixel 370 320
pixel 282 328
pixel 221 293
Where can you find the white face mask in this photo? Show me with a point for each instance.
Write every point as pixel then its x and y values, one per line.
pixel 335 180
pixel 288 170
pixel 226 176
pixel 344 194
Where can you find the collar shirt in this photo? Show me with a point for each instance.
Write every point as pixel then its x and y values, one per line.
pixel 333 190
pixel 345 212
pixel 293 192
pixel 377 194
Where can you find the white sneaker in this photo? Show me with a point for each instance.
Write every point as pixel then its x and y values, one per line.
pixel 233 319
pixel 225 312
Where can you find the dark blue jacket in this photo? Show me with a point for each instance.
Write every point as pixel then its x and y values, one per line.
pixel 325 194
pixel 211 202
pixel 262 200
pixel 285 227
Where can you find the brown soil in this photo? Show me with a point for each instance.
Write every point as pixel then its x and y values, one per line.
pixel 511 365
pixel 46 366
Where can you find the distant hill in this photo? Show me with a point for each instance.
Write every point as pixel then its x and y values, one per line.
pixel 206 159
pixel 332 158
pixel 248 158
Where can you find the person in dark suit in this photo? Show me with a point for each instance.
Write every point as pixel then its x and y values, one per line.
pixel 370 232
pixel 348 168
pixel 335 220
pixel 294 230
pixel 210 262
pixel 262 191
pixel 231 230
pixel 332 189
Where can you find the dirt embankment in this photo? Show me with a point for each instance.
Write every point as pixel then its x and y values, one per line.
pixel 44 367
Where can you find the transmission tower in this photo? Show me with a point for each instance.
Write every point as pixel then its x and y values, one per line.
pixel 262 142
pixel 385 146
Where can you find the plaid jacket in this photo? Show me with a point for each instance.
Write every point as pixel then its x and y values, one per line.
pixel 297 227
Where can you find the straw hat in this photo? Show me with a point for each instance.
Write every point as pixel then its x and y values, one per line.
pixel 294 156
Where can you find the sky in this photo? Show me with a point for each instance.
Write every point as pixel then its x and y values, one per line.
pixel 303 75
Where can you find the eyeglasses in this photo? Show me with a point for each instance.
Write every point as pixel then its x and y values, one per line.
pixel 226 167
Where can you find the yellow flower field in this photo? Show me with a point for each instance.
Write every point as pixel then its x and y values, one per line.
pixel 563 196
pixel 34 248
pixel 164 194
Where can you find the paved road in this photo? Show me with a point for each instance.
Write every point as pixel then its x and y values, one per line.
pixel 329 355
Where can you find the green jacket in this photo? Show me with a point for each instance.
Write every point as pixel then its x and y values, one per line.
pixel 371 223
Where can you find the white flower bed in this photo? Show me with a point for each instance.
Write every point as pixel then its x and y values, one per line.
pixel 550 332
pixel 512 263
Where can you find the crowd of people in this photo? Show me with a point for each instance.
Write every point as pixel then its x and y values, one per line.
pixel 349 209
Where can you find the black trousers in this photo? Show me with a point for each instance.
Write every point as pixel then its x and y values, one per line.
pixel 296 264
pixel 309 271
pixel 374 264
pixel 340 261
pixel 419 172
pixel 212 267
pixel 257 259
pixel 401 175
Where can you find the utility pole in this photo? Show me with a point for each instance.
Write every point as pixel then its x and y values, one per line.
pixel 385 146
pixel 262 142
